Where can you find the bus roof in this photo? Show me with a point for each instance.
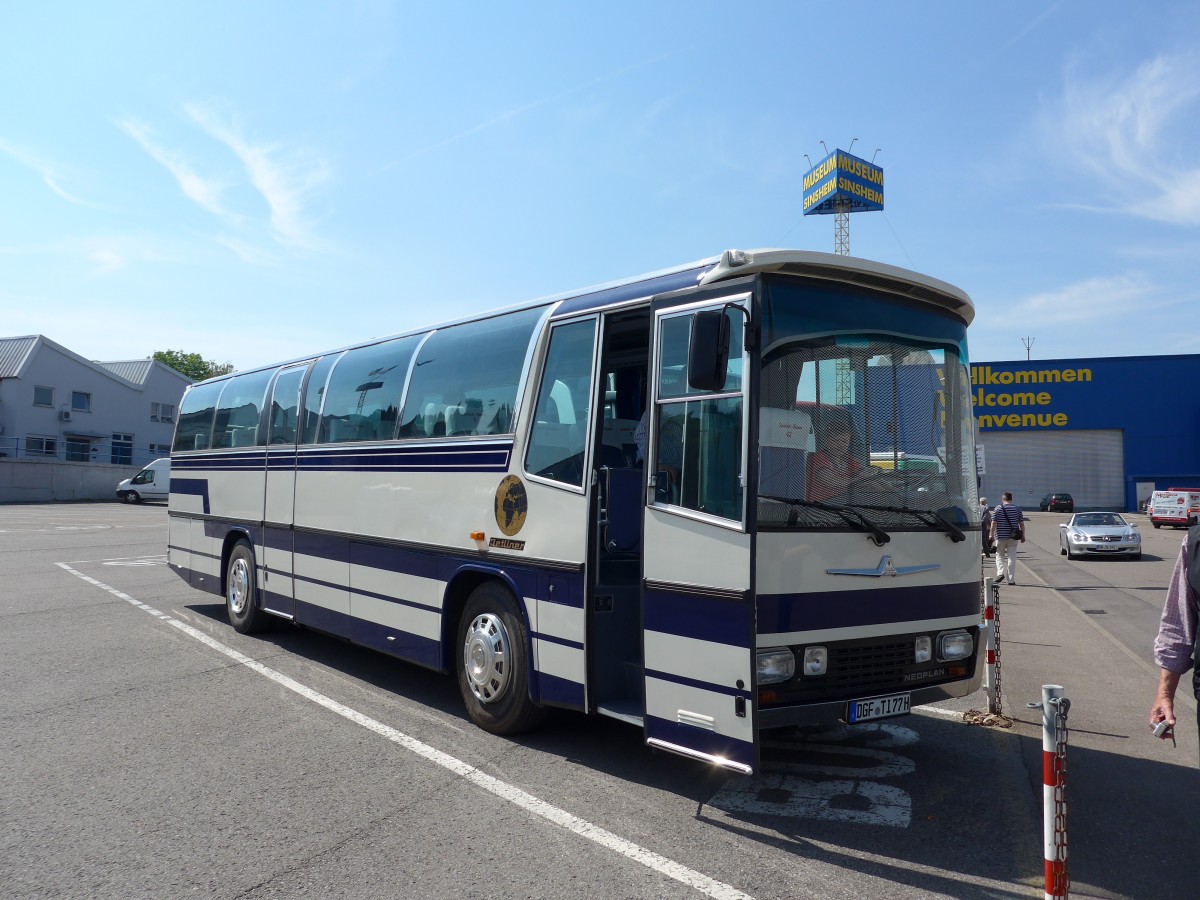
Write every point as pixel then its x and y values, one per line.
pixel 730 264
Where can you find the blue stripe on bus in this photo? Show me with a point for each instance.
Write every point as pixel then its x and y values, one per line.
pixel 699 616
pixel 782 613
pixel 555 639
pixel 277 538
pixel 529 580
pixel 399 560
pixel 491 456
pixel 403 644
pixel 555 691
pixel 196 487
pixel 726 689
pixel 661 284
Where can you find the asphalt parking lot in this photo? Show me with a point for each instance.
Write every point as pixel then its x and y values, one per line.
pixel 150 751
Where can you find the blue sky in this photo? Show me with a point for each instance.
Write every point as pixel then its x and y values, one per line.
pixel 258 181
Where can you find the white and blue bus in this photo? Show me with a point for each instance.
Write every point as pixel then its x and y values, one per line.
pixel 609 500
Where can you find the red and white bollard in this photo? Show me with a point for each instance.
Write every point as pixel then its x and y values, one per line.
pixel 1054 785
pixel 991 625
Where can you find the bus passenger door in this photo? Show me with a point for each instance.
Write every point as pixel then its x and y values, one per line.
pixel 698 601
pixel 282 416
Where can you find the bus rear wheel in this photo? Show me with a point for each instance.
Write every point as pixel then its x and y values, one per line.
pixel 493 663
pixel 241 595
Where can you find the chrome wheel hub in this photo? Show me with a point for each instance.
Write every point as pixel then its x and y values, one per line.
pixel 238 592
pixel 486 658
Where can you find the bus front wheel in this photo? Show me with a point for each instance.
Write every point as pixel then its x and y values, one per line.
pixel 241 596
pixel 493 663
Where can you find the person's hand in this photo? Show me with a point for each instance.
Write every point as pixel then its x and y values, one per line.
pixel 1163 709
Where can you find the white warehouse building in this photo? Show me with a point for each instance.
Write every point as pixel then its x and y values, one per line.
pixel 82 421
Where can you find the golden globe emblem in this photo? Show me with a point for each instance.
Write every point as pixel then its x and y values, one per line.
pixel 512 505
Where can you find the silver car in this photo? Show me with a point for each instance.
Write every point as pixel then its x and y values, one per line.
pixel 1099 534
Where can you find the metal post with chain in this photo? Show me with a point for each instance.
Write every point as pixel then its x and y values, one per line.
pixel 990 633
pixel 996 699
pixel 1054 708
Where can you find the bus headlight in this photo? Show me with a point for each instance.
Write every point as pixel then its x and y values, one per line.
pixel 923 651
pixel 775 666
pixel 816 660
pixel 955 645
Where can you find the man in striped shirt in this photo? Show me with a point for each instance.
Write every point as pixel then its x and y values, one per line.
pixel 1007 532
pixel 1175 647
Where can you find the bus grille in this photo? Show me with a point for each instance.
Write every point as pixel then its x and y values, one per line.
pixel 863 668
pixel 858 669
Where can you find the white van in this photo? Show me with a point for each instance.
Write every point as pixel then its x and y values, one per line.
pixel 152 483
pixel 1178 507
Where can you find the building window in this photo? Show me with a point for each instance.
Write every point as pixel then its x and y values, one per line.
pixel 78 451
pixel 122 449
pixel 43 396
pixel 81 402
pixel 162 412
pixel 38 445
pixel 160 450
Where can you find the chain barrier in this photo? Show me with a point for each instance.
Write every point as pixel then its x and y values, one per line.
pixel 1061 883
pixel 997 700
pixel 1054 707
pixel 993 716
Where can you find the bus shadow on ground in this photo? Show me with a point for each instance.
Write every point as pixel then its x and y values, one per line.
pixel 973 820
pixel 920 801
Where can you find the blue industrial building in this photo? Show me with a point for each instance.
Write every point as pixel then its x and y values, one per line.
pixel 1106 430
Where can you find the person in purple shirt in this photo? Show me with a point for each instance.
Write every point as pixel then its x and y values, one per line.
pixel 1175 646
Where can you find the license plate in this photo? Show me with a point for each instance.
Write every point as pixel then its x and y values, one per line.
pixel 878 707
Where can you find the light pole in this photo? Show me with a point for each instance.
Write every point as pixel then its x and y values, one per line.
pixel 1028 342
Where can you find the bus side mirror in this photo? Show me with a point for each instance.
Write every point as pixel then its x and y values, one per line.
pixel 708 351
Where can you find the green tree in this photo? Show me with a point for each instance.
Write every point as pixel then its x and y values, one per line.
pixel 193 365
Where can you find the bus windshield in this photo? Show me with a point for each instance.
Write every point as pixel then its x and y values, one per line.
pixel 866 429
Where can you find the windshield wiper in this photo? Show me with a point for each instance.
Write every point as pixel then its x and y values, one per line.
pixel 953 531
pixel 849 515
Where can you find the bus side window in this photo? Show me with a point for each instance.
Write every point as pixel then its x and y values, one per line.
pixel 314 393
pixel 475 366
pixel 698 441
pixel 196 412
pixel 238 412
pixel 557 438
pixel 363 396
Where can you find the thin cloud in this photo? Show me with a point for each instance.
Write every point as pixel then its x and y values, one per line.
pixel 521 110
pixel 247 251
pixel 1088 301
pixel 1030 27
pixel 204 192
pixel 1121 131
pixel 282 176
pixel 106 261
pixel 44 169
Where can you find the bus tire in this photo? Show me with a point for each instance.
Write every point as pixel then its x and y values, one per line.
pixel 241 596
pixel 493 663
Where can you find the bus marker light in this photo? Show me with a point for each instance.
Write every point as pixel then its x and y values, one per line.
pixel 816 660
pixel 477 535
pixel 924 649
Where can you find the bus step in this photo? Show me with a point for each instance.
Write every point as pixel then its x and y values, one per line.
pixel 626 710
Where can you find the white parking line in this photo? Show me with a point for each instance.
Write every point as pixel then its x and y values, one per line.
pixel 702 883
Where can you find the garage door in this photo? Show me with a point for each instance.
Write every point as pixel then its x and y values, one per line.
pixel 1088 465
